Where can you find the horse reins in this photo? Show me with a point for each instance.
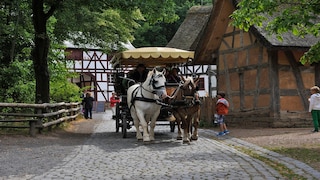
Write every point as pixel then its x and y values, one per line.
pixel 140 87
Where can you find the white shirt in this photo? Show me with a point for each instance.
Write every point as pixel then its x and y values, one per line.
pixel 314 102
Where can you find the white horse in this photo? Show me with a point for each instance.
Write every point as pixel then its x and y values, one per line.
pixel 142 101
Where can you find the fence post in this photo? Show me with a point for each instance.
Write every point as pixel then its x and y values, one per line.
pixel 207 110
pixel 32 130
pixel 39 119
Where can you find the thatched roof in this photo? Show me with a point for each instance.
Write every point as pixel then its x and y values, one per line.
pixel 289 40
pixel 203 29
pixel 190 31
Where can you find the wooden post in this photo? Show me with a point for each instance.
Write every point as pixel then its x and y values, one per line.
pixel 32 129
pixel 207 110
pixel 39 119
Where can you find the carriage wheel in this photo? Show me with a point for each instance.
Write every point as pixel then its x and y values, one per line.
pixel 124 125
pixel 117 117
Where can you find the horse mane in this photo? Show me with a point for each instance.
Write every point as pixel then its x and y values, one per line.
pixel 189 78
pixel 150 73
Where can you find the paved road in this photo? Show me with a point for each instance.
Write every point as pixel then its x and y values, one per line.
pixel 106 155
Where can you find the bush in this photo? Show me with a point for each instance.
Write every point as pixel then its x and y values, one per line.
pixel 64 92
pixel 17 82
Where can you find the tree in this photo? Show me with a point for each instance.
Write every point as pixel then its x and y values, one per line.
pixel 299 17
pixel 15 31
pixel 15 47
pixel 160 33
pixel 104 23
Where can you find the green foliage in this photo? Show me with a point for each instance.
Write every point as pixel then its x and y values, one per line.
pixel 105 24
pixel 17 82
pixel 18 78
pixel 148 35
pixel 61 90
pixel 64 91
pixel 15 30
pixel 299 17
pixel 160 33
pixel 312 56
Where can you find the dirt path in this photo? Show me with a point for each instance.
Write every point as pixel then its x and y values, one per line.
pixel 279 137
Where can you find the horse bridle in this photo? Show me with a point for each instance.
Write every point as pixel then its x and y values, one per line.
pixel 191 95
pixel 153 81
pixel 142 98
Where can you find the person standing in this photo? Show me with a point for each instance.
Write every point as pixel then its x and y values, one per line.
pixel 88 104
pixel 139 74
pixel 314 107
pixel 173 76
pixel 222 108
pixel 113 100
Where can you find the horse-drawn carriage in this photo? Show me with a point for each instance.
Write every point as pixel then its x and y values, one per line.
pixel 153 100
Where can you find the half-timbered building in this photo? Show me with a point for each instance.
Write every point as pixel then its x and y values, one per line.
pixel 262 77
pixel 94 68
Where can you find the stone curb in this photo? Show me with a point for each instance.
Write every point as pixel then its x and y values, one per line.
pixel 298 167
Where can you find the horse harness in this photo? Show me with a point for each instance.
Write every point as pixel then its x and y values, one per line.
pixel 187 100
pixel 142 98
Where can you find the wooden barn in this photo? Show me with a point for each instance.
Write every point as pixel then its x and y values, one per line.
pixel 262 77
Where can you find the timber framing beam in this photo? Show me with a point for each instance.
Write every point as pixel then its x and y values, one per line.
pixel 213 33
pixel 299 81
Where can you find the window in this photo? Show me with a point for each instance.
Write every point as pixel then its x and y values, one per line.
pixel 201 84
pixel 74 54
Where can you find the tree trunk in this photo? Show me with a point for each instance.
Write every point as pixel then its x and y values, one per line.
pixel 40 52
pixel 317 73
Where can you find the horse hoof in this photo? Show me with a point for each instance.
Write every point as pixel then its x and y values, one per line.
pixel 194 138
pixel 147 142
pixel 186 142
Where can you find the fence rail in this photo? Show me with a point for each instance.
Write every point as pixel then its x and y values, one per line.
pixel 37 116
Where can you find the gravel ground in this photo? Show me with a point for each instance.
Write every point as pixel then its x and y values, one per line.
pixel 279 137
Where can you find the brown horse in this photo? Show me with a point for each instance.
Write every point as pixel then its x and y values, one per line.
pixel 186 109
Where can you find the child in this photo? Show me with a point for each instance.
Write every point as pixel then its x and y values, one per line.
pixel 314 107
pixel 222 106
pixel 113 101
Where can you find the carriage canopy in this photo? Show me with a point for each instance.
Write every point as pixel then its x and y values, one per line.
pixel 152 56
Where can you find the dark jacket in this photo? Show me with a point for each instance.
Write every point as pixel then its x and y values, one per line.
pixel 88 102
pixel 139 77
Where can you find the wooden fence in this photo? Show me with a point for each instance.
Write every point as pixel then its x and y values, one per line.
pixel 36 116
pixel 207 110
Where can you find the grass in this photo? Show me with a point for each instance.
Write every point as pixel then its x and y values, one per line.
pixel 308 155
pixel 281 168
pixel 299 144
pixel 306 149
